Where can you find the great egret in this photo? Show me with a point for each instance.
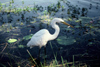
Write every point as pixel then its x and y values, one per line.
pixel 41 37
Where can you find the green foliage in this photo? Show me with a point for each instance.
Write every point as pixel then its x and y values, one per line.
pixel 73 61
pixel 78 20
pixel 1 8
pixel 27 8
pixel 63 40
pixel 22 2
pixel 35 8
pixel 28 37
pixel 12 40
pixel 12 1
pixel 69 19
pixel 0 3
pixel 77 26
pixel 32 58
pixel 85 19
pixel 63 7
pixel 21 46
pixel 45 12
pixel 58 5
pixel 90 43
pixel 62 61
pixel 67 63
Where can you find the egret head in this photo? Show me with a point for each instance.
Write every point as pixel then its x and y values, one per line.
pixel 59 20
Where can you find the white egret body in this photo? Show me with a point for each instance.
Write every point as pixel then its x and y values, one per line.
pixel 41 37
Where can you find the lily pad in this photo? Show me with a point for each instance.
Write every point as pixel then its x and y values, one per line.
pixel 21 46
pixel 86 19
pixel 69 19
pixel 77 26
pixel 28 37
pixel 90 43
pixel 78 20
pixel 63 40
pixel 12 40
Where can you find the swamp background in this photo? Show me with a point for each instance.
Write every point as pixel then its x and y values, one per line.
pixel 77 47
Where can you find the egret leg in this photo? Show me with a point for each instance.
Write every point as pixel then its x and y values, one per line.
pixel 39 54
pixel 45 55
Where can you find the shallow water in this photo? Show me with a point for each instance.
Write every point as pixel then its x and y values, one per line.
pixel 30 2
pixel 82 41
pixel 91 5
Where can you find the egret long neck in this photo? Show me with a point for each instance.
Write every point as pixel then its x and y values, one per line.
pixel 56 33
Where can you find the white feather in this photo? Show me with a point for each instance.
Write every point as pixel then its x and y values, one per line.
pixel 43 36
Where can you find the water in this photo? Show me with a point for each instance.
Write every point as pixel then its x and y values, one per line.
pixel 31 2
pixel 82 41
pixel 91 5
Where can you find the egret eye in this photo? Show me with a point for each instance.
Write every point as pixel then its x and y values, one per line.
pixel 57 23
pixel 62 22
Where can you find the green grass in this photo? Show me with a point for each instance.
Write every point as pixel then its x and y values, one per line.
pixel 67 63
pixel 62 61
pixel 2 65
pixel 54 62
pixel 73 61
pixel 32 58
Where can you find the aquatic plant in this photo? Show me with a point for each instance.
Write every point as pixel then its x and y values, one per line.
pixel 22 2
pixel 27 37
pixel 10 7
pixel 32 58
pixel 21 46
pixel 63 8
pixel 73 62
pixel 45 19
pixel 28 8
pixel 78 20
pixel 21 23
pixel 69 19
pixel 12 1
pixel 45 12
pixel 0 4
pixel 58 4
pixel 64 40
pixel 8 30
pixel 68 11
pixel 31 8
pixel 77 26
pixel 40 8
pixel 33 21
pixel 12 40
pixel 62 61
pixel 35 8
pixel 90 43
pixel 85 19
pixel 1 7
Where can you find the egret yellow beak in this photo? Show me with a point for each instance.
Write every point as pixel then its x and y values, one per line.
pixel 67 24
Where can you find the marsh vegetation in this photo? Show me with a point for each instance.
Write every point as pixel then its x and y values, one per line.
pixel 74 47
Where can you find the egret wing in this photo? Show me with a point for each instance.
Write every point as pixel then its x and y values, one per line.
pixel 41 33
pixel 39 39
